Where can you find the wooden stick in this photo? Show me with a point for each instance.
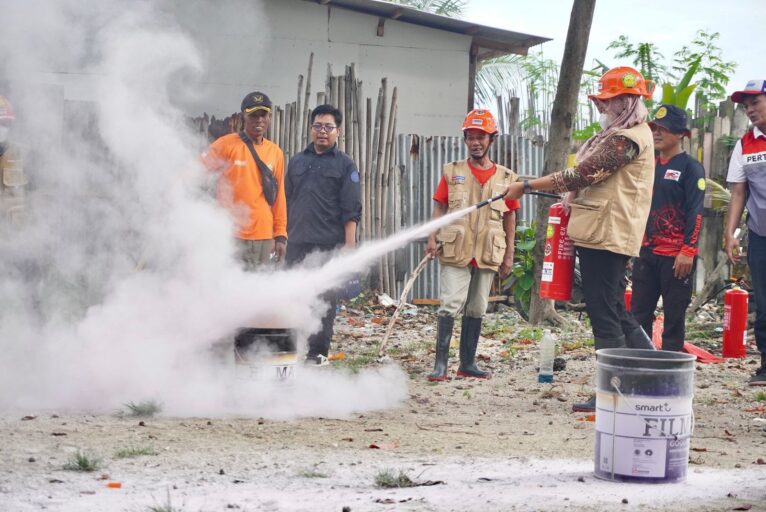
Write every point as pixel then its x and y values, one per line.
pixel 402 299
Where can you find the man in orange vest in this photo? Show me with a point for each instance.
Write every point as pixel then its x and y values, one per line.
pixel 474 247
pixel 251 184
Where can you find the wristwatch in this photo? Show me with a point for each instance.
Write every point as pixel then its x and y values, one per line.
pixel 525 184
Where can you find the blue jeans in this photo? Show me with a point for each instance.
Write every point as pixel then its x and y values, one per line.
pixel 756 260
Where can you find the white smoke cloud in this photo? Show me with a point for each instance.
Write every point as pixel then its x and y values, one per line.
pixel 123 276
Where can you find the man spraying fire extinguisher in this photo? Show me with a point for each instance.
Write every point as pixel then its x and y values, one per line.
pixel 665 266
pixel 474 247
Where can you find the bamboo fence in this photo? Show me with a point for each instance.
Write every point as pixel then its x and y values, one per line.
pixel 369 137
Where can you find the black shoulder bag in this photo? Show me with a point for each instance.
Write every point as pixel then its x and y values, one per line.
pixel 268 181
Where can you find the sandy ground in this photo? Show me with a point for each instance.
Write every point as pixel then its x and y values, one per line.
pixel 504 444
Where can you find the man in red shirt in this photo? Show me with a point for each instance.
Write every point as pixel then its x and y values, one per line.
pixel 473 248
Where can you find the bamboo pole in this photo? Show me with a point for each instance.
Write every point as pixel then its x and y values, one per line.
pixel 357 127
pixel 391 194
pixel 341 105
pixel 359 159
pixel 374 165
pixel 380 171
pixel 306 110
pixel 348 112
pixel 385 193
pixel 298 103
pixel 367 166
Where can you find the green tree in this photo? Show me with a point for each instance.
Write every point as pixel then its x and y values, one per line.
pixel 644 56
pixel 497 76
pixel 679 94
pixel 451 8
pixel 714 71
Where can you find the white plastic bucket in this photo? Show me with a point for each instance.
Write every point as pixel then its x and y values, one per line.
pixel 266 353
pixel 644 417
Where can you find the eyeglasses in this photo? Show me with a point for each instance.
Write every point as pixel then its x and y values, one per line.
pixel 319 127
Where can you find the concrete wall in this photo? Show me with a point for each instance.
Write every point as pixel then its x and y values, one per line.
pixel 249 45
pixel 266 45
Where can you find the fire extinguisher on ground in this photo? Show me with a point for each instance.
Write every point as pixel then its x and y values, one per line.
pixel 559 260
pixel 734 322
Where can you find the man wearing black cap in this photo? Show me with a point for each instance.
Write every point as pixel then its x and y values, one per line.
pixel 252 184
pixel 747 180
pixel 667 259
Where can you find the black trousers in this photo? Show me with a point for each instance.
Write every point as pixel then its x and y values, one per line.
pixel 653 278
pixel 319 342
pixel 756 259
pixel 603 283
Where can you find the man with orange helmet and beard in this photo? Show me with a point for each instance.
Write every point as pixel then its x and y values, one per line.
pixel 474 247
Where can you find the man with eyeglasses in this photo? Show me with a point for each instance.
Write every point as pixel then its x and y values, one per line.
pixel 323 208
pixel 252 184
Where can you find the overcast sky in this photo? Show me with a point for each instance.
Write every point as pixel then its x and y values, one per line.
pixel 668 24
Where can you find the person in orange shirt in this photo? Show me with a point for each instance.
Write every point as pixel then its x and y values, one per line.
pixel 253 191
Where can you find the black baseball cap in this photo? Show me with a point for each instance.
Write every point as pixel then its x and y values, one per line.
pixel 672 118
pixel 256 101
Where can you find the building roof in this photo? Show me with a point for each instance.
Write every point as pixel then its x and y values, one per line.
pixel 490 41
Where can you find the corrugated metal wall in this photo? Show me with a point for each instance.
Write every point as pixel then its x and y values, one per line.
pixel 420 160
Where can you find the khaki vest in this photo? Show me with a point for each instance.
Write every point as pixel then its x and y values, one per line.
pixel 12 184
pixel 611 215
pixel 479 234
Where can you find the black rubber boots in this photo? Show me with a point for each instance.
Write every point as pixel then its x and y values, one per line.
pixel 444 326
pixel 469 340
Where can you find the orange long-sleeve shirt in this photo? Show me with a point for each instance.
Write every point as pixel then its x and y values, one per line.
pixel 240 190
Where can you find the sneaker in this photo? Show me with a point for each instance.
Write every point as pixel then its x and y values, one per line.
pixel 759 378
pixel 317 360
pixel 589 406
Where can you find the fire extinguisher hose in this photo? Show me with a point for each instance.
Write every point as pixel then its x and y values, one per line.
pixel 500 196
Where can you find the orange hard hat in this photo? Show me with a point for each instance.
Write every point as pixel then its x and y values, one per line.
pixel 6 110
pixel 480 120
pixel 622 80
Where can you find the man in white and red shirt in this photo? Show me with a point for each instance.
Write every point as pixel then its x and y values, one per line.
pixel 747 181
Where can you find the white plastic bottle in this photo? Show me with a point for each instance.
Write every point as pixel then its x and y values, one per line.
pixel 547 354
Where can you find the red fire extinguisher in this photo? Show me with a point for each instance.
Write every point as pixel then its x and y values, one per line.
pixel 628 298
pixel 559 260
pixel 734 322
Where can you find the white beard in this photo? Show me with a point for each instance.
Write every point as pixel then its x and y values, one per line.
pixel 4 133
